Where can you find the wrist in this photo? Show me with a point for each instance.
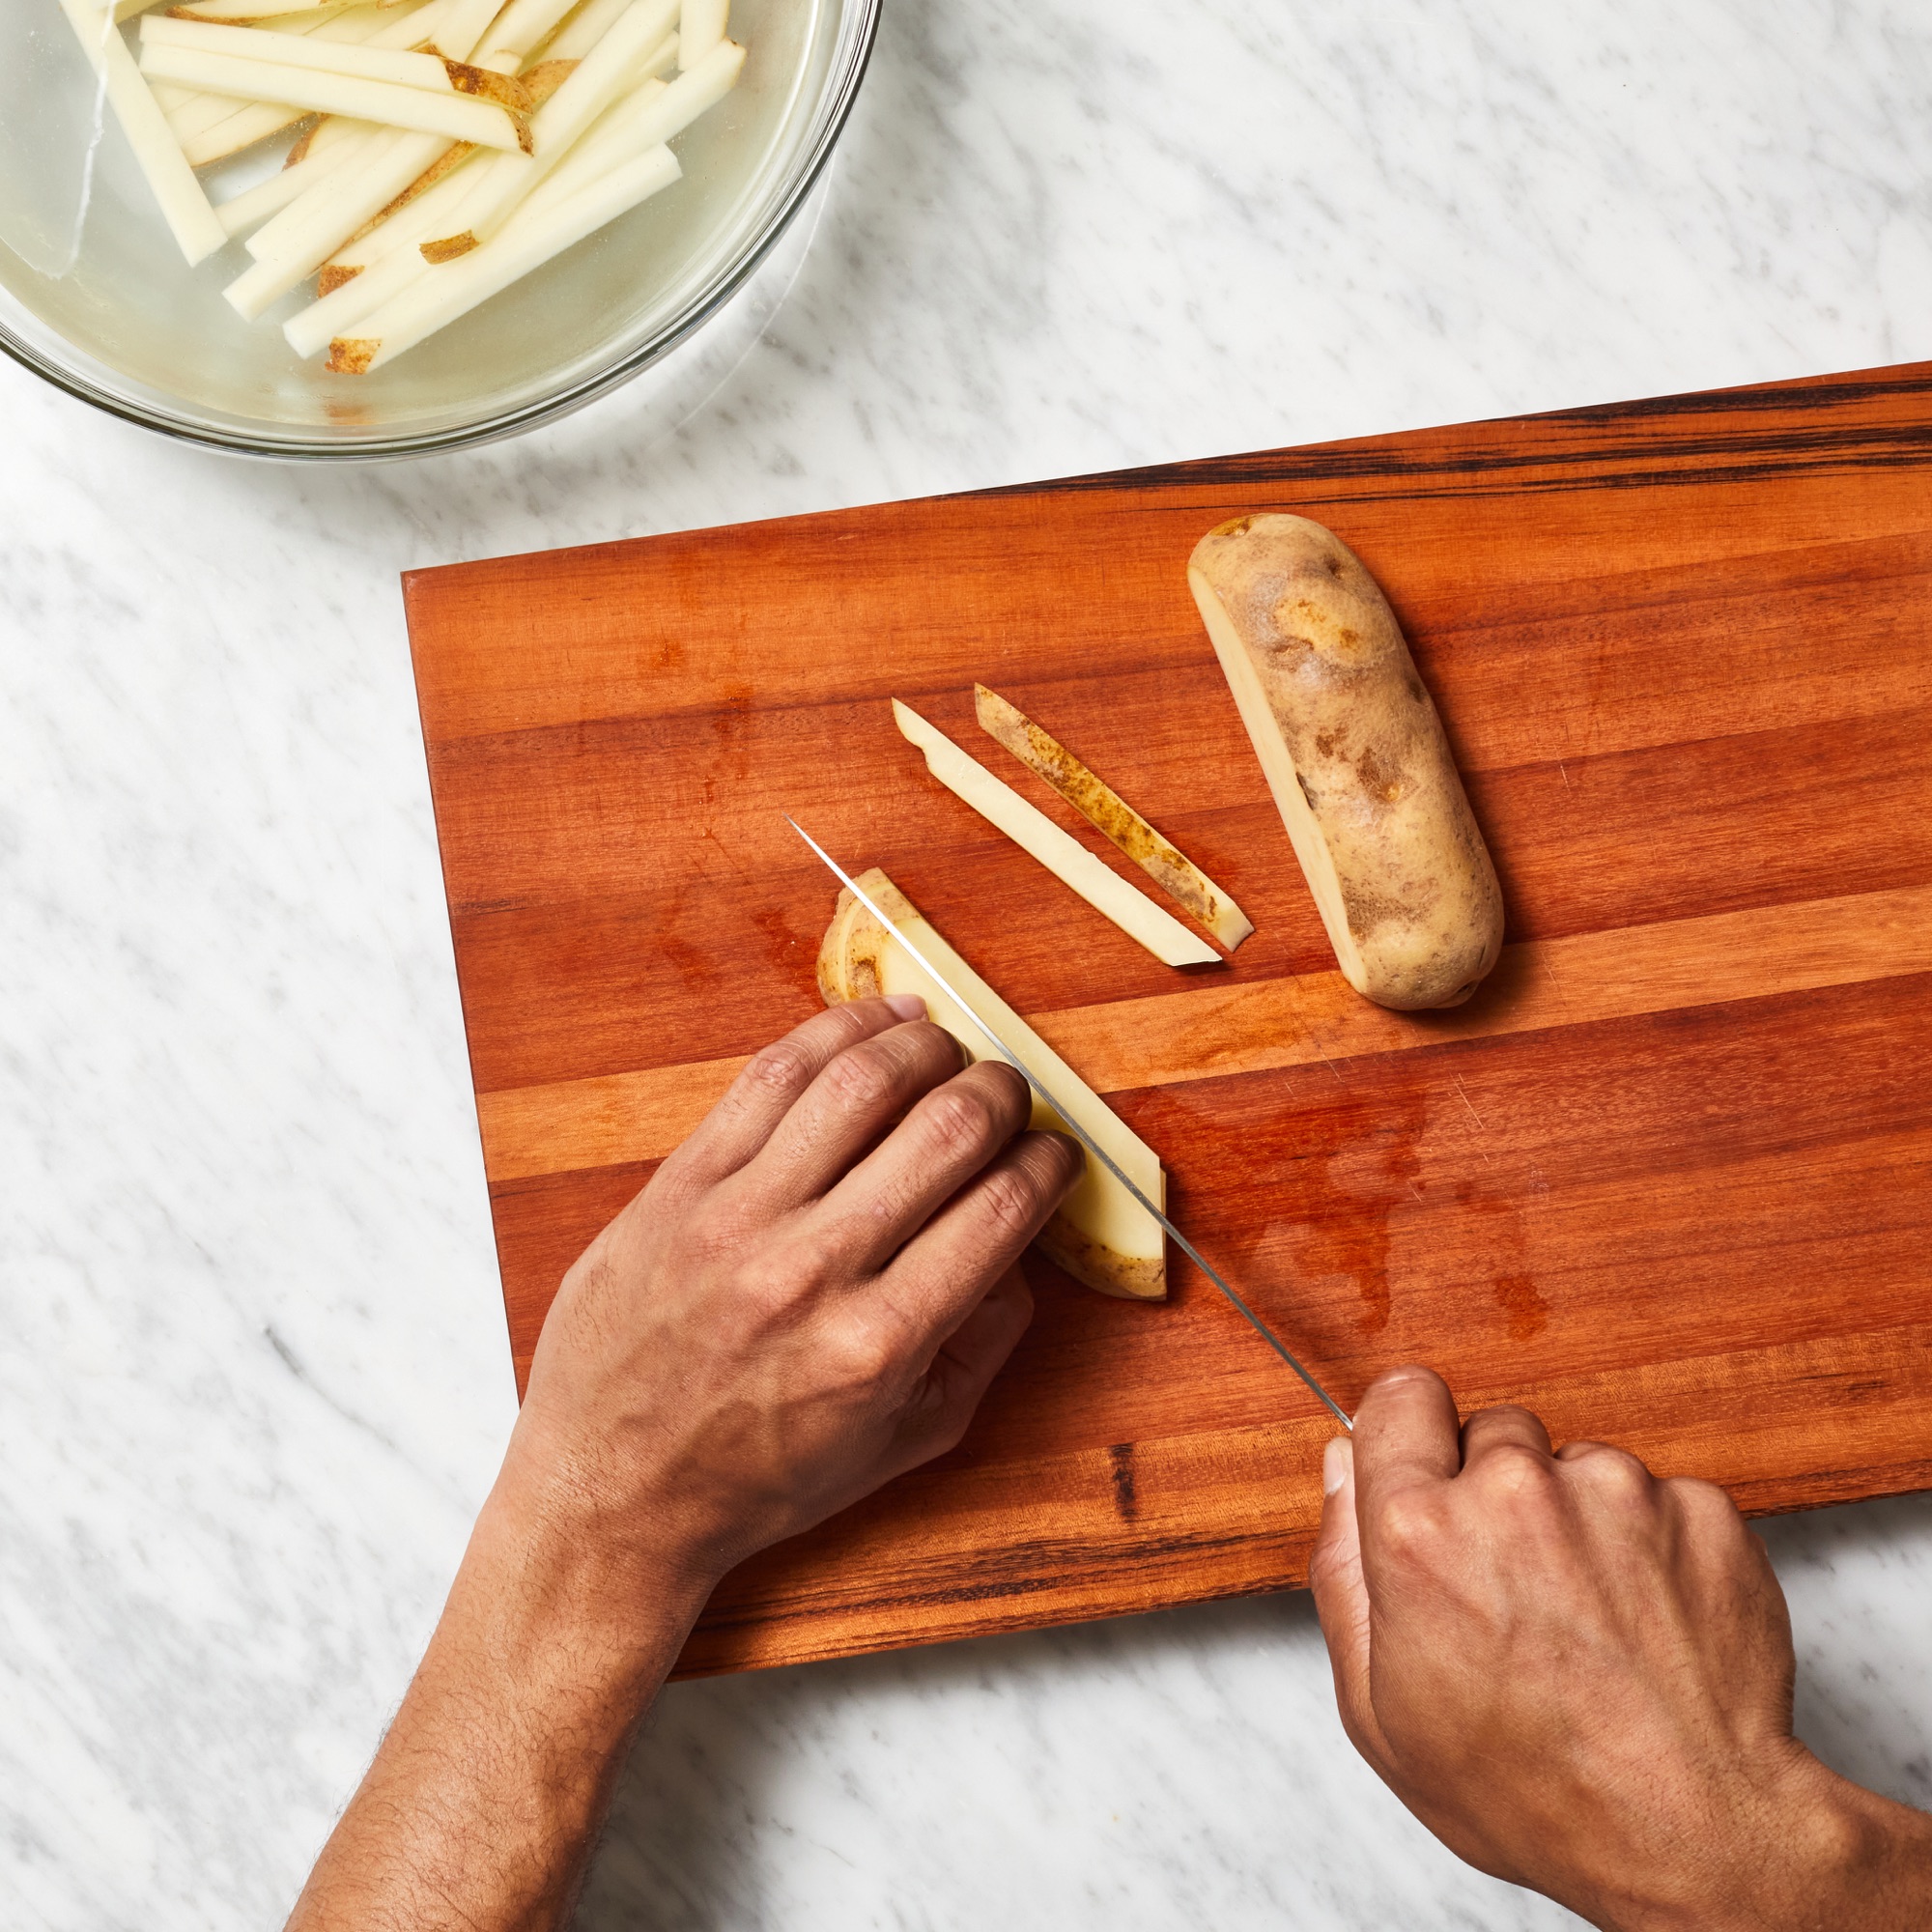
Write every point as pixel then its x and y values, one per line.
pixel 1806 1849
pixel 604 1576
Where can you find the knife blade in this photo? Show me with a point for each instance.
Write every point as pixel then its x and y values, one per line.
pixel 1072 1127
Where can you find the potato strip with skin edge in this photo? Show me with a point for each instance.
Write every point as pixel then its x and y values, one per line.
pixel 1112 816
pixel 397 259
pixel 1059 852
pixel 541 231
pixel 599 79
pixel 456 116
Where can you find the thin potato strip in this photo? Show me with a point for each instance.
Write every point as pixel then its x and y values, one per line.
pixel 1112 816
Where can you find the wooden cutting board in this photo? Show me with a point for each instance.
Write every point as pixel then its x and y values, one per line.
pixel 1665 1179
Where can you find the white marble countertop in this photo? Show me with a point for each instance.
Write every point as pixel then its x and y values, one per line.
pixel 253 1379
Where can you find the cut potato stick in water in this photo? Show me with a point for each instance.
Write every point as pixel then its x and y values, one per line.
pixel 192 114
pixel 584 29
pixel 1110 814
pixel 240 12
pixel 390 260
pixel 349 294
pixel 190 219
pixel 457 116
pixel 700 28
pixel 1059 852
pixel 459 25
pixel 316 209
pixel 444 148
pixel 540 230
pixel 320 222
pixel 558 126
pixel 244 212
pixel 245 127
pixel 520 30
pixel 344 57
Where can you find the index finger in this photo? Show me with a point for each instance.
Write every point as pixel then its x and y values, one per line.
pixel 763 1094
pixel 1407 1434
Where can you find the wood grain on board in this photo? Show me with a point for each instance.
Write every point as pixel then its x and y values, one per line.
pixel 1665 1179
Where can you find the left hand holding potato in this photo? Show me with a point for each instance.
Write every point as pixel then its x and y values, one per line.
pixel 1580 1677
pixel 808 1299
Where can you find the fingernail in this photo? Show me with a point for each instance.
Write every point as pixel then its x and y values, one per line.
pixel 907 1006
pixel 1338 1460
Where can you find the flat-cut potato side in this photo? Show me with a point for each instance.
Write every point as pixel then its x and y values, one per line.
pixel 1355 756
pixel 1100 1234
pixel 1111 815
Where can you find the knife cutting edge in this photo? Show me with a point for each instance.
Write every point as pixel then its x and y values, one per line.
pixel 1072 1125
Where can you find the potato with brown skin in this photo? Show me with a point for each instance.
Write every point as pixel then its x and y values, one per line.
pixel 1355 756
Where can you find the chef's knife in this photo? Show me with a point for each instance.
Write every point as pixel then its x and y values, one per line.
pixel 1072 1125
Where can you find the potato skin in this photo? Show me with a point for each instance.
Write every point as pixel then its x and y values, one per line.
pixel 1381 825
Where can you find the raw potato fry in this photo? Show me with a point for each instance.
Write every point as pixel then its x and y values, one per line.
pixel 520 29
pixel 240 12
pixel 597 80
pixel 352 289
pixel 193 223
pixel 385 64
pixel 292 231
pixel 1064 856
pixel 416 142
pixel 355 293
pixel 243 128
pixel 194 116
pixel 542 228
pixel 325 218
pixel 700 28
pixel 1110 814
pixel 1100 1234
pixel 270 197
pixel 584 29
pixel 455 116
pixel 1355 758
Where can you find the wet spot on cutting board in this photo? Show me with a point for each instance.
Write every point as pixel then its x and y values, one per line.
pixel 1527 1311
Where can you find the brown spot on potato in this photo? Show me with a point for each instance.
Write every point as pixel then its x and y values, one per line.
pixel 1377 780
pixel 350 355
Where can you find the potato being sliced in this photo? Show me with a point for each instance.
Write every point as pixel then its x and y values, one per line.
pixel 1109 813
pixel 1099 1233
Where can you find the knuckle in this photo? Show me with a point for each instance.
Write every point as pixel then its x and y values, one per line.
pixel 864 1076
pixel 1704 1503
pixel 1409 1529
pixel 1613 1473
pixel 959 1120
pixel 864 1356
pixel 1519 1471
pixel 1010 1203
pixel 784 1067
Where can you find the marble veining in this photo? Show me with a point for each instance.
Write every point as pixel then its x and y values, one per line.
pixel 253 1379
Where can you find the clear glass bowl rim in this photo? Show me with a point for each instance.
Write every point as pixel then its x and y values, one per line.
pixel 835 107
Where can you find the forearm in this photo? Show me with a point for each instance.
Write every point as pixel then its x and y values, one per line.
pixel 486 1795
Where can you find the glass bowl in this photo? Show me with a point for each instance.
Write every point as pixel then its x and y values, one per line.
pixel 94 296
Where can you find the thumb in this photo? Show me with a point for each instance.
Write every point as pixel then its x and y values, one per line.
pixel 1341 1596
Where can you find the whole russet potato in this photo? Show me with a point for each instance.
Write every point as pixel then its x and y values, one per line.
pixel 1355 758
